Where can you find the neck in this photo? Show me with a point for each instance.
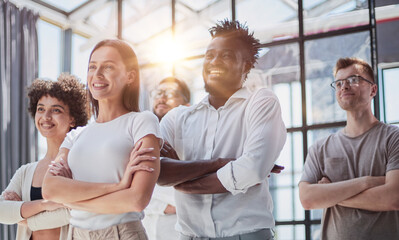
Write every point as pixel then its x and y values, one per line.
pixel 53 146
pixel 217 101
pixel 359 122
pixel 109 111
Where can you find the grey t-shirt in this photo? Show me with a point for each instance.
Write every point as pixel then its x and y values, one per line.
pixel 339 158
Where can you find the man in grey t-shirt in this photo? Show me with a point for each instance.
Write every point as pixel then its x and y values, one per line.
pixel 354 174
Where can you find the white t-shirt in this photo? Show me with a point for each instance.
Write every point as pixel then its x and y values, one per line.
pixel 99 153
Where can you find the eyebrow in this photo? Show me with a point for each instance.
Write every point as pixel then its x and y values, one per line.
pixel 55 105
pixel 106 61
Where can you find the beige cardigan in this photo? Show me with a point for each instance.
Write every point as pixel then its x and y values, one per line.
pixel 10 211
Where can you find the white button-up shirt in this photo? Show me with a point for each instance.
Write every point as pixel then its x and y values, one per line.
pixel 249 128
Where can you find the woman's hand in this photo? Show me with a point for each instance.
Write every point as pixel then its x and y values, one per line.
pixel 11 196
pixel 136 157
pixel 60 168
pixel 51 206
pixel 168 151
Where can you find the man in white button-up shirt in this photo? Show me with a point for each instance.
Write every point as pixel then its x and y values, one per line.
pixel 227 145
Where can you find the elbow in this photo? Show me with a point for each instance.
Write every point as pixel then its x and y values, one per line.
pixel 306 204
pixel 306 201
pixel 48 191
pixel 138 206
pixel 394 205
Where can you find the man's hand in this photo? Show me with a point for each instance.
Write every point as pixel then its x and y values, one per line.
pixel 277 168
pixel 170 209
pixel 136 157
pixel 11 196
pixel 168 151
pixel 324 180
pixel 60 168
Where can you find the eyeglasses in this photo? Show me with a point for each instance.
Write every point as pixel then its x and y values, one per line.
pixel 351 80
pixel 168 93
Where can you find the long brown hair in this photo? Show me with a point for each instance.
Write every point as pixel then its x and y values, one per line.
pixel 131 92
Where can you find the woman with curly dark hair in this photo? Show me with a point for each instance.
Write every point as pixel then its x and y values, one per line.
pixel 115 159
pixel 57 107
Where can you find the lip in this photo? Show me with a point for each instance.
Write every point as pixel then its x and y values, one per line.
pixel 99 85
pixel 47 125
pixel 162 106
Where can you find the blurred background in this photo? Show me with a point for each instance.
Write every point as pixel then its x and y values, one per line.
pixel 301 41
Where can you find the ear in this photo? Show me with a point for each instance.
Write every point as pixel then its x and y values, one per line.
pixel 131 77
pixel 374 89
pixel 247 67
pixel 72 123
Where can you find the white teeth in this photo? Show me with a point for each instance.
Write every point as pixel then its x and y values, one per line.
pixel 216 71
pixel 99 85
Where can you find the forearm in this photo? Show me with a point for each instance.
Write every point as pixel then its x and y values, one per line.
pixel 382 197
pixel 56 187
pixel 127 200
pixel 174 172
pixel 318 196
pixel 209 184
pixel 49 219
pixel 31 208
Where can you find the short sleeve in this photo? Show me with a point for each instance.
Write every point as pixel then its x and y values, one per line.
pixel 167 126
pixel 146 123
pixel 71 137
pixel 393 149
pixel 311 170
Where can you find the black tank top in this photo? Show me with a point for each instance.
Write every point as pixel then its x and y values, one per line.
pixel 35 193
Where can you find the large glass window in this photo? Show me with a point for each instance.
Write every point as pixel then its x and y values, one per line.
pixel 389 95
pixel 327 15
pixel 269 19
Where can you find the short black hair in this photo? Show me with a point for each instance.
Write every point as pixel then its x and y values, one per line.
pixel 240 31
pixel 182 85
pixel 66 89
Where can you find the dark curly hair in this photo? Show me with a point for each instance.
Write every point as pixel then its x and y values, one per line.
pixel 240 31
pixel 68 90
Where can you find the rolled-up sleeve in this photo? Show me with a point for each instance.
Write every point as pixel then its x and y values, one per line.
pixel 266 136
pixel 49 219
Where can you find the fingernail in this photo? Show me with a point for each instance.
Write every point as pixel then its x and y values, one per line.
pixel 151 169
pixel 52 161
pixel 154 157
pixel 150 148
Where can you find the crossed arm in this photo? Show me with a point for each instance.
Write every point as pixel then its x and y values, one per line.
pixel 131 193
pixel 196 176
pixel 368 193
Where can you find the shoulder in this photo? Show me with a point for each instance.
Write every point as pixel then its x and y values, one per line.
pixel 75 132
pixel 144 116
pixel 24 169
pixel 324 142
pixel 264 93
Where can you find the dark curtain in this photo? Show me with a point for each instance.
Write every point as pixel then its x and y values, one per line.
pixel 18 68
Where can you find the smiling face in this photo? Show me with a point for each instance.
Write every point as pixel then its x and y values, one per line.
pixel 355 97
pixel 167 96
pixel 107 75
pixel 225 66
pixel 52 118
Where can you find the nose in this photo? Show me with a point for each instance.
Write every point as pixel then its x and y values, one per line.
pixel 47 115
pixel 99 71
pixel 345 84
pixel 215 60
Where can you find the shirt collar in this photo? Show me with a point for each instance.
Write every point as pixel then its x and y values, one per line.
pixel 242 93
